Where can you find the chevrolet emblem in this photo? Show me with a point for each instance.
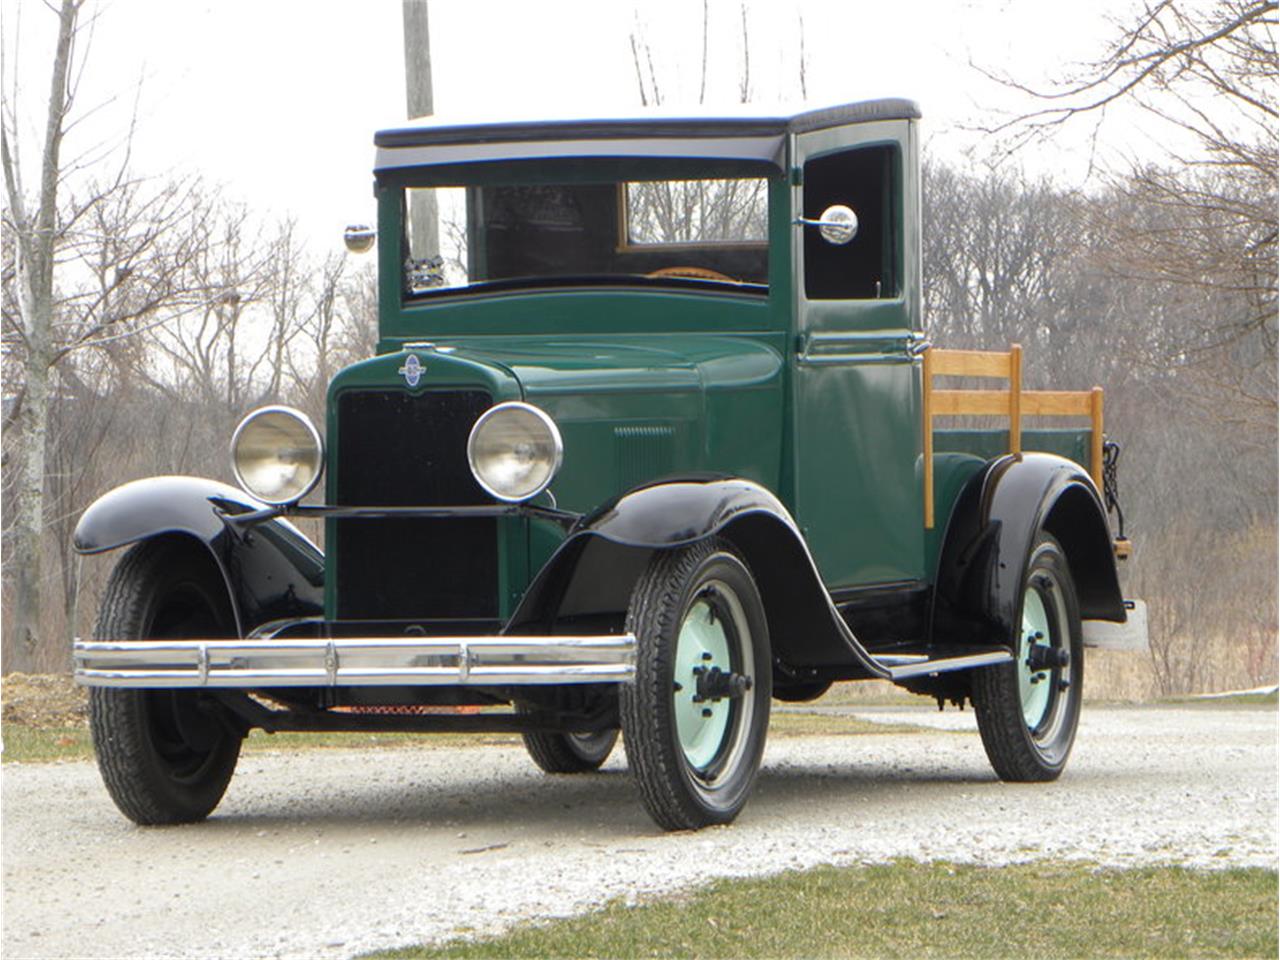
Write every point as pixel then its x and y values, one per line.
pixel 412 370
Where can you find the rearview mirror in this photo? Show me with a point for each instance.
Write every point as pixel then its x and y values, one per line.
pixel 837 225
pixel 359 238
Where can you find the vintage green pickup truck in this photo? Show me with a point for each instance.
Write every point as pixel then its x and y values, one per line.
pixel 649 441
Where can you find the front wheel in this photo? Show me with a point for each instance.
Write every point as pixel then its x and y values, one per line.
pixel 166 756
pixel 694 721
pixel 1028 710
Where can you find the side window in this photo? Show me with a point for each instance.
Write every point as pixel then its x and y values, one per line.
pixel 868 267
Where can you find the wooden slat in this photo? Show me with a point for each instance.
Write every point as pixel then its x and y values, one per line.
pixel 1015 399
pixel 1014 403
pixel 1056 403
pixel 970 403
pixel 1095 451
pixel 970 363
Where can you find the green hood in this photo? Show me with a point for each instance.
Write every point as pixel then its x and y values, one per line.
pixel 630 409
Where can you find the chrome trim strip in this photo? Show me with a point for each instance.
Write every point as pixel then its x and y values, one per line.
pixel 316 439
pixel 763 148
pixel 899 659
pixel 930 667
pixel 563 517
pixel 363 661
pixel 866 346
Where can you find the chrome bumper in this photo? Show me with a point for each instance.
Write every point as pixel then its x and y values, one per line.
pixel 415 661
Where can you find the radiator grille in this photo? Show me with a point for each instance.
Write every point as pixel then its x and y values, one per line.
pixel 398 449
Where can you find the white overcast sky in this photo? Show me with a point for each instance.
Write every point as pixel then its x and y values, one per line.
pixel 277 101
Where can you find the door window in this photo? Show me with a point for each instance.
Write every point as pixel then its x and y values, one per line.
pixel 869 266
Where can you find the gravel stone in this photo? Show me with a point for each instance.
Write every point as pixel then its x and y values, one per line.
pixel 328 854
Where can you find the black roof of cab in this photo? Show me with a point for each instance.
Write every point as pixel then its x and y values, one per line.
pixel 434 141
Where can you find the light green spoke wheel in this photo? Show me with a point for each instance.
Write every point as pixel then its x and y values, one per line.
pixel 1033 683
pixel 1028 710
pixel 694 720
pixel 701 647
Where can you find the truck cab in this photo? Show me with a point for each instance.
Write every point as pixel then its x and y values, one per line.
pixel 650 439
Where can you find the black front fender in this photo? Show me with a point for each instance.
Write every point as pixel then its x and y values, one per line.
pixel 271 570
pixel 592 574
pixel 983 562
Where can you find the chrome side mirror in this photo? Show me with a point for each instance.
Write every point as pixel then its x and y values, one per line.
pixel 359 238
pixel 837 225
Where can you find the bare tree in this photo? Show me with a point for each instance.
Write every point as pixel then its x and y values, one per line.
pixel 658 79
pixel 95 258
pixel 1201 220
pixel 1009 258
pixel 699 210
pixel 34 228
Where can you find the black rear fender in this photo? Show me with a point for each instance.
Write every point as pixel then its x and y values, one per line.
pixel 271 571
pixel 983 561
pixel 590 577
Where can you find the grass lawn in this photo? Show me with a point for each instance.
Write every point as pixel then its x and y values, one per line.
pixel 26 744
pixel 908 909
pixel 1238 700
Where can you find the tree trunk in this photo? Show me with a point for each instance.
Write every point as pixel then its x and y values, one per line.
pixel 27 556
pixel 36 250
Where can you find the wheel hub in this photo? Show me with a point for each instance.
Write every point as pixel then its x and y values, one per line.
pixel 715 684
pixel 1035 660
pixel 705 684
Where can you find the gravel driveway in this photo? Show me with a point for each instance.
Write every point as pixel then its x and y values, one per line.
pixel 328 854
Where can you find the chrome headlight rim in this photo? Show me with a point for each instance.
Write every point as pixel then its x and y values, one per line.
pixel 498 410
pixel 316 438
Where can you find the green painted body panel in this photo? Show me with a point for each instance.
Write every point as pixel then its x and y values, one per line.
pixel 816 399
pixel 960 453
pixel 1070 443
pixel 630 409
pixel 857 435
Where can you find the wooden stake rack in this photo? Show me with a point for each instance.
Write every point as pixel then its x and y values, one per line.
pixel 1012 402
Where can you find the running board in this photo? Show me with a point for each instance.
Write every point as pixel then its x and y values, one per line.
pixel 903 666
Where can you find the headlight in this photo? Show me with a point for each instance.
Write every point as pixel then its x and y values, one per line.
pixel 277 454
pixel 514 450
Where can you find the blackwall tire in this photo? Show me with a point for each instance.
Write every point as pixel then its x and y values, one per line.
pixel 695 762
pixel 166 756
pixel 1028 717
pixel 570 752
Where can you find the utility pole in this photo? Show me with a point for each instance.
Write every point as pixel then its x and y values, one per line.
pixel 424 229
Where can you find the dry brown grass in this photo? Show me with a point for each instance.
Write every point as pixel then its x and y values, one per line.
pixel 43 701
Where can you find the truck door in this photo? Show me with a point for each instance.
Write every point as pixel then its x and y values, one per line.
pixel 857 419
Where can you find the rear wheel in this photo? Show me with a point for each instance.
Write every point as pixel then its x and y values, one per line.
pixel 695 719
pixel 166 756
pixel 1028 710
pixel 570 752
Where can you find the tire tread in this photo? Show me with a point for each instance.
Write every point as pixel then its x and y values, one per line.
pixel 553 753
pixel 118 718
pixel 648 723
pixel 998 706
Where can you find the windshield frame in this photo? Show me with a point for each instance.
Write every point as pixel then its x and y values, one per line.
pixel 392 190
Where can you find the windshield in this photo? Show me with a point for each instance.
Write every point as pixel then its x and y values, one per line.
pixel 696 232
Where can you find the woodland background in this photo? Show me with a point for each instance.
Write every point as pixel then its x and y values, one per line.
pixel 143 316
